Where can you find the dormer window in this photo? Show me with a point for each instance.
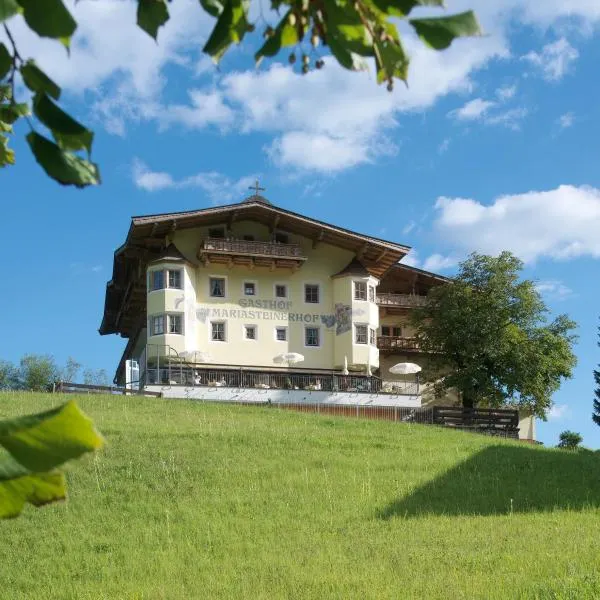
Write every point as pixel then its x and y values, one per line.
pixel 166 278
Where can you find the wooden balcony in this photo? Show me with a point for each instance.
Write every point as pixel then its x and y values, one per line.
pixel 393 344
pixel 251 253
pixel 401 300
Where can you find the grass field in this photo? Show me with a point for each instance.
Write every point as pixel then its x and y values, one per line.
pixel 190 500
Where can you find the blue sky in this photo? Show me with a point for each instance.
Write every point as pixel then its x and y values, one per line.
pixel 494 145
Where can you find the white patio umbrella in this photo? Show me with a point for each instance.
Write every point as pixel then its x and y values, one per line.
pixel 195 356
pixel 345 371
pixel 369 374
pixel 291 358
pixel 405 369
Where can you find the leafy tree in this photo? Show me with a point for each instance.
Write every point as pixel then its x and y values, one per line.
pixel 488 337
pixel 9 375
pixel 569 440
pixel 95 377
pixel 71 369
pixel 350 30
pixel 37 372
pixel 596 412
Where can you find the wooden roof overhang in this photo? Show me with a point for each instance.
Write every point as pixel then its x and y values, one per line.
pixel 125 292
pixel 404 279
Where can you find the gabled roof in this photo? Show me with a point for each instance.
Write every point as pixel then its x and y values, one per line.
pixel 146 237
pixel 170 254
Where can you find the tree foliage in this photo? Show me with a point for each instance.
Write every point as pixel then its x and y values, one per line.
pixel 489 338
pixel 31 450
pixel 569 440
pixel 37 373
pixel 353 31
pixel 596 411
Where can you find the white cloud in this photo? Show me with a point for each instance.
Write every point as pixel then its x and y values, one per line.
pixel 559 412
pixel 474 110
pixel 554 289
pixel 411 259
pixel 560 223
pixel 79 268
pixel 438 262
pixel 506 92
pixel 218 187
pixel 408 227
pixel 554 60
pixel 444 145
pixel 567 120
pixel 510 118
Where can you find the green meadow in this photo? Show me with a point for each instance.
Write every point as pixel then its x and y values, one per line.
pixel 192 500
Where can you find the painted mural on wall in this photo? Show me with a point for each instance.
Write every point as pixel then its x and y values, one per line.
pixel 341 319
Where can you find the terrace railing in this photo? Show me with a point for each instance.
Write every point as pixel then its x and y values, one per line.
pixel 401 300
pixel 251 248
pixel 397 344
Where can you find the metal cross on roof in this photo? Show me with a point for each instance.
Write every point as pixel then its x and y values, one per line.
pixel 256 188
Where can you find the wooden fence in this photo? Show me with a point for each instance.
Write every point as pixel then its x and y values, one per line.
pixel 493 421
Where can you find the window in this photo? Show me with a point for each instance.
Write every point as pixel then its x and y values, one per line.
pixel 281 291
pixel 216 232
pixel 250 332
pixel 371 294
pixel 385 331
pixel 372 337
pixel 249 288
pixel 157 279
pixel 281 334
pixel 311 293
pixel 157 324
pixel 217 333
pixel 360 334
pixel 360 290
pixel 397 331
pixel 174 278
pixel 217 287
pixel 311 337
pixel 281 238
pixel 175 324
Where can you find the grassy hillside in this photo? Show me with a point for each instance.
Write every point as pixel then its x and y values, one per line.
pixel 204 501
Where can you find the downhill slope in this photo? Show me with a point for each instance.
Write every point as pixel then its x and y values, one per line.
pixel 191 500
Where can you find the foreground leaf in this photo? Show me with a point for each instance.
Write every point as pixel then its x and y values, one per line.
pixel 63 167
pixel 230 28
pixel 212 7
pixel 440 32
pixel 284 35
pixel 5 60
pixel 37 81
pixel 33 447
pixel 151 15
pixel 9 113
pixel 69 133
pixel 8 8
pixel 402 8
pixel 49 18
pixel 7 156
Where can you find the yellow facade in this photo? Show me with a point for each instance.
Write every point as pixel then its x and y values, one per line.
pixel 335 315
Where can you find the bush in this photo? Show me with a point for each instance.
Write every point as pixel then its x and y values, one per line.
pixel 569 440
pixel 38 372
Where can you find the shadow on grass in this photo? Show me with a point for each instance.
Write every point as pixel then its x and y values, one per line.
pixel 535 480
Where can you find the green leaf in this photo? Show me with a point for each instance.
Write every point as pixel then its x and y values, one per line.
pixel 230 28
pixel 440 32
pixel 9 113
pixel 394 61
pixel 8 8
pixel 284 35
pixel 345 24
pixel 212 7
pixel 152 14
pixel 68 133
pixel 33 447
pixel 402 8
pixel 63 167
pixel 7 156
pixel 49 19
pixel 38 489
pixel 37 81
pixel 5 61
pixel 345 57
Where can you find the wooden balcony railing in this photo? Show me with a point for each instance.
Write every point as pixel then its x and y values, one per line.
pixel 402 300
pixel 251 248
pixel 397 344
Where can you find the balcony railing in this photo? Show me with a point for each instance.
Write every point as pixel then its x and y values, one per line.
pixel 397 344
pixel 402 300
pixel 252 248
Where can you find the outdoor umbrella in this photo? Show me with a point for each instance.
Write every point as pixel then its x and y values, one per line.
pixel 369 374
pixel 345 371
pixel 291 358
pixel 405 369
